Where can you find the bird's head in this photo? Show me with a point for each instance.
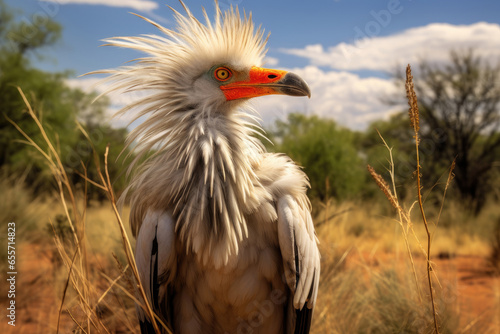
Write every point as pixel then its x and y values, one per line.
pixel 214 66
pixel 256 81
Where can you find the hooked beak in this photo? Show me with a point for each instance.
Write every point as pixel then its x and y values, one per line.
pixel 263 81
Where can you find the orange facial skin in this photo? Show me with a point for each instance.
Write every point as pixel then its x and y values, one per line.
pixel 261 81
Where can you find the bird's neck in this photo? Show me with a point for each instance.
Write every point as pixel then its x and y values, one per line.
pixel 205 177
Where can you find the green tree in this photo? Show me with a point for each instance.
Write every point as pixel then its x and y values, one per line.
pixel 460 118
pixel 44 89
pixel 326 151
pixel 57 105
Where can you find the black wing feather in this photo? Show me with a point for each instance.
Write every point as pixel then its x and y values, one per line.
pixel 146 325
pixel 302 317
pixel 303 320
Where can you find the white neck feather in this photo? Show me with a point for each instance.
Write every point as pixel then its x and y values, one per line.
pixel 204 175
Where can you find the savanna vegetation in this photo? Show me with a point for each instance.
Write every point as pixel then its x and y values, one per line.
pixel 73 249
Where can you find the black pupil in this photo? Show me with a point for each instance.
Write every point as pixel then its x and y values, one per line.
pixel 272 76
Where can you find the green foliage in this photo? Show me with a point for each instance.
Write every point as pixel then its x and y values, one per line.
pixel 58 107
pixel 45 89
pixel 28 37
pixel 326 151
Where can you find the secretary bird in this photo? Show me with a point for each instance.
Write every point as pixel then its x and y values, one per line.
pixel 225 239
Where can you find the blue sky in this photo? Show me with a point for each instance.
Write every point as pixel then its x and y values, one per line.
pixel 343 48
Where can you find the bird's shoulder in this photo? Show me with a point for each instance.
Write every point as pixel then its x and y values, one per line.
pixel 284 183
pixel 281 176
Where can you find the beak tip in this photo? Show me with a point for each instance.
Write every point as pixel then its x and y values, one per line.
pixel 295 85
pixel 308 93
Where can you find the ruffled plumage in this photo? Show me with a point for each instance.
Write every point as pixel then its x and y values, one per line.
pixel 221 225
pixel 192 136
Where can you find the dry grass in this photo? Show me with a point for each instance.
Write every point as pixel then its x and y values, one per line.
pixel 85 302
pixel 366 284
pixel 367 227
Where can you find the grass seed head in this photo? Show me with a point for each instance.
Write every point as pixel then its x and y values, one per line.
pixel 412 100
pixel 379 180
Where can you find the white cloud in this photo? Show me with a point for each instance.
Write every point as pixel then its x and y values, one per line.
pixel 271 61
pixel 355 101
pixel 140 5
pixel 87 84
pixel 345 97
pixel 117 101
pixel 432 42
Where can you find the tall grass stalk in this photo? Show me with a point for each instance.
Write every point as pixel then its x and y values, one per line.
pixel 414 120
pixel 405 215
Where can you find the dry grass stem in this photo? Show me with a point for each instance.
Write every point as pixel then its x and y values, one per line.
pixel 451 175
pixel 414 119
pixel 64 291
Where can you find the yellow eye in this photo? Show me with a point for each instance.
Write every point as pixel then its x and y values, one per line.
pixel 222 74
